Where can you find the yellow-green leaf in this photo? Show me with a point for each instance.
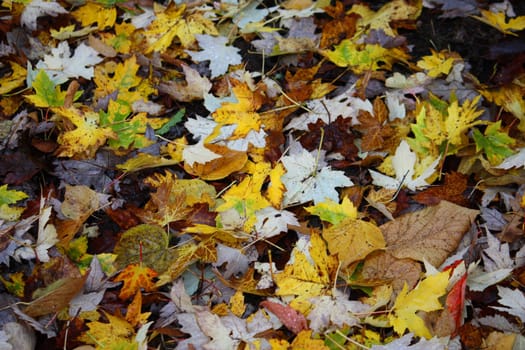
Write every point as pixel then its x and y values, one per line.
pixel 425 297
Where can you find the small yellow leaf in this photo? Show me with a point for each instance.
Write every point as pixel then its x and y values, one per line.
pixel 425 297
pixel 237 305
pixel 304 341
pixel 275 191
pixel 438 63
pixel 498 20
pixel 135 277
pixel 15 79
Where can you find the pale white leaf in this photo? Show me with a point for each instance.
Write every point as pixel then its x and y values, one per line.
pixel 396 109
pixel 304 182
pixel 211 325
pixel 331 313
pixel 189 325
pixel 499 322
pixel 236 262
pixel 497 255
pixel 423 344
pixel 198 154
pixel 513 302
pixel 39 8
pixel 85 302
pixel 19 336
pixel 180 297
pixel 403 162
pixel 47 234
pixel 478 279
pixel 515 161
pixel 255 138
pixel 215 50
pixel 327 110
pixel 60 65
pixel 271 222
pixel 141 336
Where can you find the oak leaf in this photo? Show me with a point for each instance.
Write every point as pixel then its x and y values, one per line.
pixel 135 277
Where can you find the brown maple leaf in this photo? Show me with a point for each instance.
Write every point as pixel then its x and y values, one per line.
pixel 376 133
pixel 452 190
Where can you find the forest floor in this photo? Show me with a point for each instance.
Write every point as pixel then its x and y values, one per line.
pixel 262 175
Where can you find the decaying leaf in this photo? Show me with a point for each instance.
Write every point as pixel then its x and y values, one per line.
pixel 146 244
pixel 430 234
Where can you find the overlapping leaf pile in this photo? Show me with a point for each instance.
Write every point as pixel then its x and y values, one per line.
pixel 251 175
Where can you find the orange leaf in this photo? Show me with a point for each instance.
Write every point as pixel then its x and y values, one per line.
pixel 135 276
pixel 134 315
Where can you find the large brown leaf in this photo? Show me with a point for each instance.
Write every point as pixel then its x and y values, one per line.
pixel 432 233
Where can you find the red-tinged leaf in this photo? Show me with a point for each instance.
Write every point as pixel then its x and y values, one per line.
pixel 135 277
pixel 456 301
pixel 291 318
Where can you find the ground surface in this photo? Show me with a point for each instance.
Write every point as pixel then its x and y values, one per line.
pixel 223 175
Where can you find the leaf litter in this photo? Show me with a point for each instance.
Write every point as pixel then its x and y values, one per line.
pixel 252 175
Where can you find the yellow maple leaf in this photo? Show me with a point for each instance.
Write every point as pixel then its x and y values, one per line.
pixel 352 240
pixel 361 58
pixel 307 276
pixel 499 21
pixel 242 113
pixel 121 40
pixel 13 80
pixel 87 136
pixel 246 198
pixel 174 198
pixel 442 127
pixel 510 98
pixel 135 277
pixel 92 13
pixel 425 297
pixel 170 23
pixel 123 80
pixel 396 10
pixel 104 335
pixel 438 62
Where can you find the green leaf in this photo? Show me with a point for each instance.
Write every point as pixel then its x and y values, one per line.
pixel 10 196
pixel 172 122
pixel 47 93
pixel 495 143
pixel 130 131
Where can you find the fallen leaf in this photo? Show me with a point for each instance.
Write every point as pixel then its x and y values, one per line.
pixel 135 277
pixel 430 234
